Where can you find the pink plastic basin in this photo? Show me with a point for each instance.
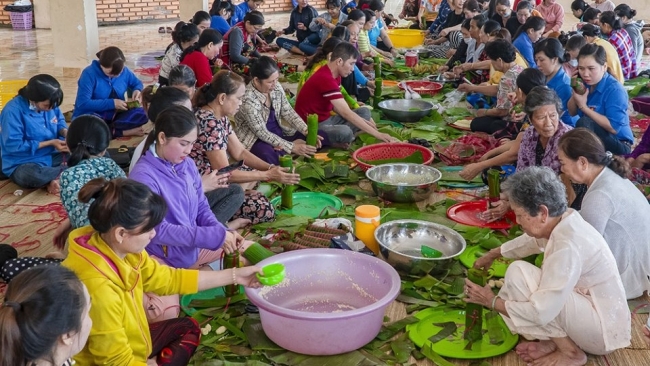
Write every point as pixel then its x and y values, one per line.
pixel 331 301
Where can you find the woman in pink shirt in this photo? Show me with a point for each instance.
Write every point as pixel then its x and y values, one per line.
pixel 553 14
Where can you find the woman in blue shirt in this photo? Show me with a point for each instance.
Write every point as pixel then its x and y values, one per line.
pixel 549 56
pixel 603 107
pixel 103 89
pixel 32 137
pixel 529 33
pixel 220 19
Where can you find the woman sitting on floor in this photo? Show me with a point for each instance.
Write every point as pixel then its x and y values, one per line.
pixel 592 35
pixel 103 90
pixel 612 27
pixel 450 37
pixel 110 259
pixel 217 143
pixel 240 43
pixel 44 318
pixel 549 56
pixel 32 134
pixel 633 28
pixel 526 37
pixel 612 205
pixel 603 106
pixel 202 20
pixel 198 56
pixel 576 302
pixel 184 36
pixel 220 16
pixel 497 120
pixel 474 61
pixel 264 106
pixel 507 153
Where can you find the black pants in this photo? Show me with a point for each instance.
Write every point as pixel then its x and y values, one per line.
pixel 488 124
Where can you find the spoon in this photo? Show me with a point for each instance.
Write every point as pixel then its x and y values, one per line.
pixel 414 94
pixel 407 92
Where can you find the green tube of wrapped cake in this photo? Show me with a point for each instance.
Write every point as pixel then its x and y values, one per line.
pixel 312 129
pixel 286 200
pixel 377 64
pixel 378 92
pixel 474 312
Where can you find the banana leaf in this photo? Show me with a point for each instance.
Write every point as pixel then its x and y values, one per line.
pixel 402 348
pixel 428 351
pixel 257 339
pixel 389 331
pixel 448 329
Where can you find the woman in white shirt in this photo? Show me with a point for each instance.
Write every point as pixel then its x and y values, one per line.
pixel 574 303
pixel 612 205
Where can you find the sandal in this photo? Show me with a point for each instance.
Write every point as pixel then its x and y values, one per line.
pixel 169 30
pixel 161 30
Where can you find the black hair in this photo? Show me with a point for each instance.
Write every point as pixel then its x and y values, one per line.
pixel 219 5
pixel 503 2
pixel 165 97
pixel 534 23
pixel 181 75
pixel 579 5
pixel 492 9
pixel 501 49
pixel 472 5
pixel 263 67
pixel 575 42
pixel 530 78
pixel 323 51
pixel 376 5
pixel 184 32
pixel 524 5
pixel 174 121
pixel 356 14
pixel 254 18
pixel 369 14
pixel 7 252
pixel 112 58
pixel 624 10
pixel 333 4
pixel 223 82
pixel 207 36
pixel 466 23
pixel 590 30
pixel 41 305
pixel 123 202
pixel 552 48
pixel 491 26
pixel 341 32
pixel 480 20
pixel 590 14
pixel 581 142
pixel 41 88
pixel 87 136
pixel 200 17
pixel 344 51
pixel 610 18
pixel 594 50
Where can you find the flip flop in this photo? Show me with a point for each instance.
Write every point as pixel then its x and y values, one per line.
pixel 161 30
pixel 169 30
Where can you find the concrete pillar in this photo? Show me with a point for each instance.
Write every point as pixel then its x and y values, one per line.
pixel 42 14
pixel 74 33
pixel 189 7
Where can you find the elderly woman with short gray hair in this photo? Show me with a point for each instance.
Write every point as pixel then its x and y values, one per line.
pixel 574 303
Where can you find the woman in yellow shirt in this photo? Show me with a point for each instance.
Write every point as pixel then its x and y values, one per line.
pixel 109 258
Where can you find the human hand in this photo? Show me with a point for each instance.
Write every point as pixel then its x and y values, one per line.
pixel 384 137
pixel 282 175
pixel 498 211
pixel 450 53
pixel 485 261
pixel 301 26
pixel 232 242
pixel 301 148
pixel 246 276
pixel 458 70
pixel 476 294
pixel 429 41
pixel 443 69
pixel 371 123
pixel 214 180
pixel 467 88
pixel 120 105
pixel 279 33
pixel 401 16
pixel 394 52
pixel 470 171
pixel 388 62
pixel 517 117
pixel 137 95
pixel 60 145
pixel 443 33
pixel 580 100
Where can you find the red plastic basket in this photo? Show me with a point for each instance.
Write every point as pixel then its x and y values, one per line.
pixel 423 87
pixel 386 150
pixel 21 21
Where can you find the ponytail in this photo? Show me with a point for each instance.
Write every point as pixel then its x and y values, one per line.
pixel 207 36
pixel 40 306
pixel 223 82
pixel 610 18
pixel 87 136
pixel 581 142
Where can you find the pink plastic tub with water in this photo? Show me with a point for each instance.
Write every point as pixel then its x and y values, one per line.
pixel 331 301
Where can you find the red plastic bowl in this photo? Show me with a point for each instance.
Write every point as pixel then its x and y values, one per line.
pixel 393 150
pixel 423 87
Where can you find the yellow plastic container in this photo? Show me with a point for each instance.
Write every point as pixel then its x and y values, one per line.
pixel 4 98
pixel 12 86
pixel 366 220
pixel 406 38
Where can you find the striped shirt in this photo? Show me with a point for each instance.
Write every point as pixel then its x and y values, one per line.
pixel 621 40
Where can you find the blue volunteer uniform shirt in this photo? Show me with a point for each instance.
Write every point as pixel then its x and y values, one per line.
pixel 561 83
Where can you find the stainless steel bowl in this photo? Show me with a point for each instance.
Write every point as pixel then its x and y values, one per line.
pixel 406 110
pixel 400 245
pixel 403 182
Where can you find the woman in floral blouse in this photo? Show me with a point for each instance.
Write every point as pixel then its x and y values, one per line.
pixel 217 144
pixel 258 121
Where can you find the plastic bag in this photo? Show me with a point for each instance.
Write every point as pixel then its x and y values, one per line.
pixel 452 99
pixel 19 8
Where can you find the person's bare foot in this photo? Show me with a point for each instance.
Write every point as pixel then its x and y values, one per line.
pixel 54 187
pixel 558 358
pixel 530 351
pixel 239 223
pixel 138 131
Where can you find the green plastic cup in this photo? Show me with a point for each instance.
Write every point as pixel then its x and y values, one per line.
pixel 273 274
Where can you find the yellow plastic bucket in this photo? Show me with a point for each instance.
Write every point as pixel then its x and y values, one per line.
pixel 406 38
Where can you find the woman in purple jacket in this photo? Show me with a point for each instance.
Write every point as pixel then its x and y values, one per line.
pixel 190 236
